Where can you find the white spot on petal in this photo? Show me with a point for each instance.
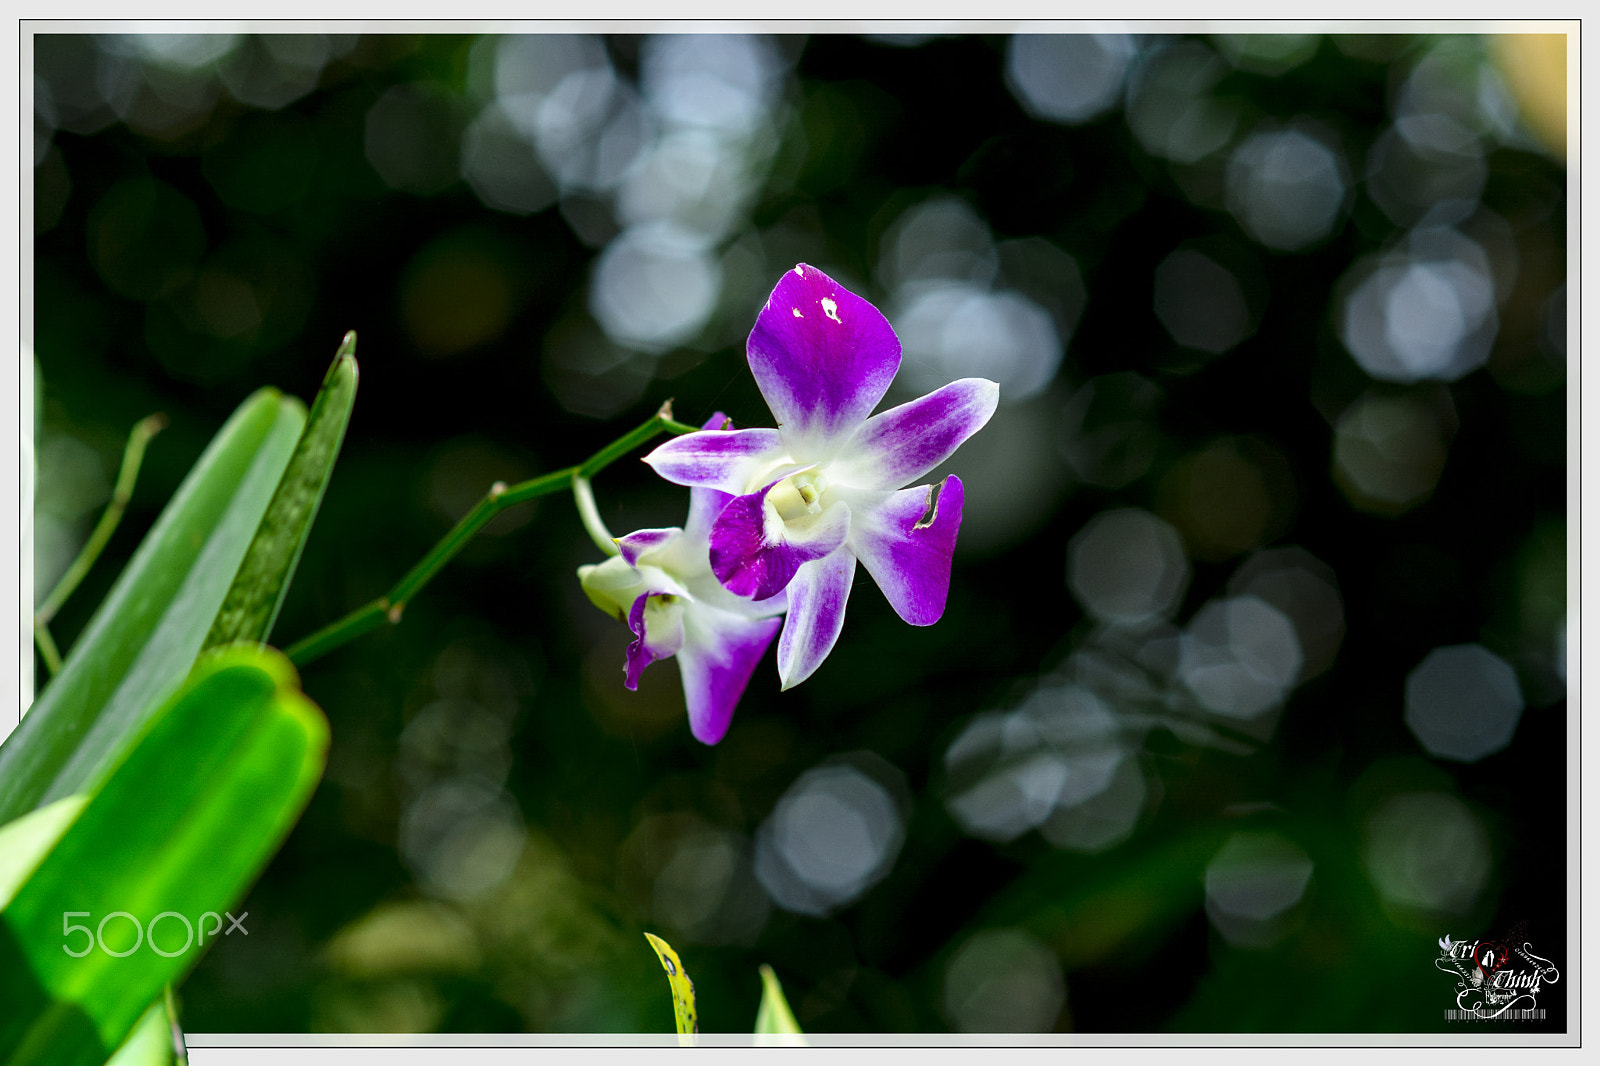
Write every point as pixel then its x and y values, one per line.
pixel 799 270
pixel 831 309
pixel 797 313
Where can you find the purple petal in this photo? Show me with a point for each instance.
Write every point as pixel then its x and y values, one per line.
pixel 822 356
pixel 717 459
pixel 640 541
pixel 704 507
pixel 720 651
pixel 907 557
pixel 900 445
pixel 754 553
pixel 719 422
pixel 817 596
pixel 659 640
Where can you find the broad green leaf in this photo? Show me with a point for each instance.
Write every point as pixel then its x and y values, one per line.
pixel 256 595
pixel 150 1043
pixel 774 1019
pixel 144 637
pixel 25 841
pixel 178 832
pixel 682 991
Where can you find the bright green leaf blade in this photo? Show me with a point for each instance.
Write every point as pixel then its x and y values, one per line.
pixel 23 845
pixel 256 595
pixel 682 991
pixel 773 1017
pixel 150 1043
pixel 25 842
pixel 143 639
pixel 179 831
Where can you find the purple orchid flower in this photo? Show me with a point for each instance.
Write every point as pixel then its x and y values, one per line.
pixel 826 488
pixel 662 586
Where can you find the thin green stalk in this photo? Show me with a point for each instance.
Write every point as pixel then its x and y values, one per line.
pixel 583 494
pixel 363 619
pixel 390 607
pixel 476 519
pixel 132 456
pixel 47 647
pixel 603 458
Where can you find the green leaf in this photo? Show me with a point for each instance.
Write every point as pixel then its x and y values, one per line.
pixel 143 639
pixel 150 1043
pixel 682 991
pixel 773 1017
pixel 178 832
pixel 256 595
pixel 25 841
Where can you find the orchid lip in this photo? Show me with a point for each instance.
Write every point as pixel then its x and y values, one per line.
pixel 755 549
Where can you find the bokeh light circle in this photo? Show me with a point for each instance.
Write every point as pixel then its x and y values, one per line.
pixel 1127 566
pixel 654 286
pixel 1286 188
pixel 1463 702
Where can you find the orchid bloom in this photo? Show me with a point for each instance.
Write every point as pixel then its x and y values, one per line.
pixel 661 585
pixel 826 487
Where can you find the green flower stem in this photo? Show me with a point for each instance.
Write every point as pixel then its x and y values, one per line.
pixel 476 519
pixel 662 421
pixel 583 493
pixel 389 608
pixel 132 457
pixel 363 619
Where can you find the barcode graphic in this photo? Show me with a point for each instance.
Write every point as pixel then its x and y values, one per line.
pixel 1504 1016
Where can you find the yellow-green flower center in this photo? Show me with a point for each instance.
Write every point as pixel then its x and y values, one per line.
pixel 797 496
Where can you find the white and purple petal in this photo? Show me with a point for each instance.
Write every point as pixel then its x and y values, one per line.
pixel 822 356
pixel 720 651
pixel 658 634
pixel 900 445
pixel 704 507
pixel 818 593
pixel 906 544
pixel 711 592
pixel 641 541
pixel 754 553
pixel 727 460
pixel 705 504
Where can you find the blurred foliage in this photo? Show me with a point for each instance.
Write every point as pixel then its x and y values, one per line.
pixel 1274 293
pixel 187 818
